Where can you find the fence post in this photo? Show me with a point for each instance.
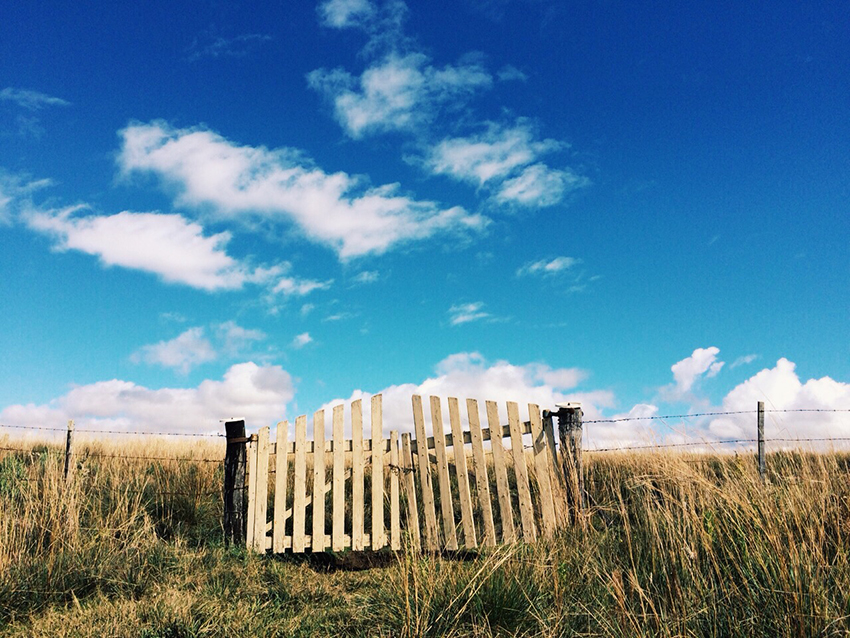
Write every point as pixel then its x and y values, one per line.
pixel 569 434
pixel 69 453
pixel 235 458
pixel 762 466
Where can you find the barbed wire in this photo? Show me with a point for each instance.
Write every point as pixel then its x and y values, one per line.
pixel 96 431
pixel 717 442
pixel 699 414
pixel 87 455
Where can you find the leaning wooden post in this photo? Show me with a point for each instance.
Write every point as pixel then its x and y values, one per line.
pixel 69 453
pixel 569 433
pixel 762 466
pixel 235 504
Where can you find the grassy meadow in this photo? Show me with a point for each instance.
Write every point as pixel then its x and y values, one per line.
pixel 672 545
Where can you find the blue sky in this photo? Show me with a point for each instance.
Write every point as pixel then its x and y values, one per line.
pixel 217 208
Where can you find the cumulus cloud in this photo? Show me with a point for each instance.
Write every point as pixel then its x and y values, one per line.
pixel 185 351
pixel 469 375
pixel 702 363
pixel 548 267
pixel 29 99
pixel 170 246
pixel 781 389
pixel 336 209
pixel 234 340
pixel 467 312
pixel 399 93
pixel 259 394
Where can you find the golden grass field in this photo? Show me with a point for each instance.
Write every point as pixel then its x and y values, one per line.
pixel 672 545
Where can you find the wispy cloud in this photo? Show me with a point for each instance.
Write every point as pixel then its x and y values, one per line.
pixel 744 360
pixel 170 246
pixel 335 209
pixel 467 312
pixel 366 277
pixel 182 353
pixel 702 363
pixel 296 287
pixel 301 340
pixel 548 267
pixel 399 93
pixel 212 47
pixel 29 99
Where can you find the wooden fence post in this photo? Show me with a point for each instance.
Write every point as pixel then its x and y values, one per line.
pixel 762 466
pixel 569 433
pixel 234 483
pixel 69 453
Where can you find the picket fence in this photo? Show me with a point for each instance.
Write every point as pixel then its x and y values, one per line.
pixel 396 474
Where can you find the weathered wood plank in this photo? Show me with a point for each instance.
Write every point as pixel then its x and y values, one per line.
pixel 482 481
pixel 499 466
pixel 446 506
pixel 559 493
pixel 262 489
pixel 338 534
pixel 395 509
pixel 467 521
pixel 318 481
pixel 541 470
pixel 378 535
pixel 252 491
pixel 299 517
pixel 235 496
pixel 424 470
pixel 281 469
pixel 357 541
pixel 526 509
pixel 410 491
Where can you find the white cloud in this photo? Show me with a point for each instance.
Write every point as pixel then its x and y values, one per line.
pixel 189 349
pixel 548 266
pixel 30 100
pixel 491 155
pixel 510 73
pixel 539 185
pixel 743 360
pixel 296 287
pixel 366 277
pixel 234 339
pixel 248 182
pixel 781 389
pixel 342 14
pixel 467 312
pixel 307 308
pixel 167 245
pixel 689 370
pixel 469 375
pixel 399 93
pixel 301 340
pixel 15 191
pixel 260 394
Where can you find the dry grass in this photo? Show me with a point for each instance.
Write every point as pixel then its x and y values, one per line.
pixel 674 545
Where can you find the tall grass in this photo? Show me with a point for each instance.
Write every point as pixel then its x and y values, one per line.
pixel 672 545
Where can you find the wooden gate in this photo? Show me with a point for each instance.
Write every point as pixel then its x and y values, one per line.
pixel 326 490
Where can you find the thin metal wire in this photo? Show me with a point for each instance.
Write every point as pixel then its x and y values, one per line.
pixel 687 416
pixel 94 431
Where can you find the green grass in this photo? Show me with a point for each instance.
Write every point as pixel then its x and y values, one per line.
pixel 673 545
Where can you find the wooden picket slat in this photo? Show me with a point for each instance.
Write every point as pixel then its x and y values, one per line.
pixel 395 511
pixel 262 489
pixel 318 481
pixel 378 535
pixel 281 470
pixel 299 517
pixel 482 481
pixel 357 541
pixel 410 491
pixel 559 493
pixel 338 534
pixel 462 476
pixel 252 491
pixel 424 471
pixel 502 489
pixel 446 507
pixel 526 509
pixel 541 470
